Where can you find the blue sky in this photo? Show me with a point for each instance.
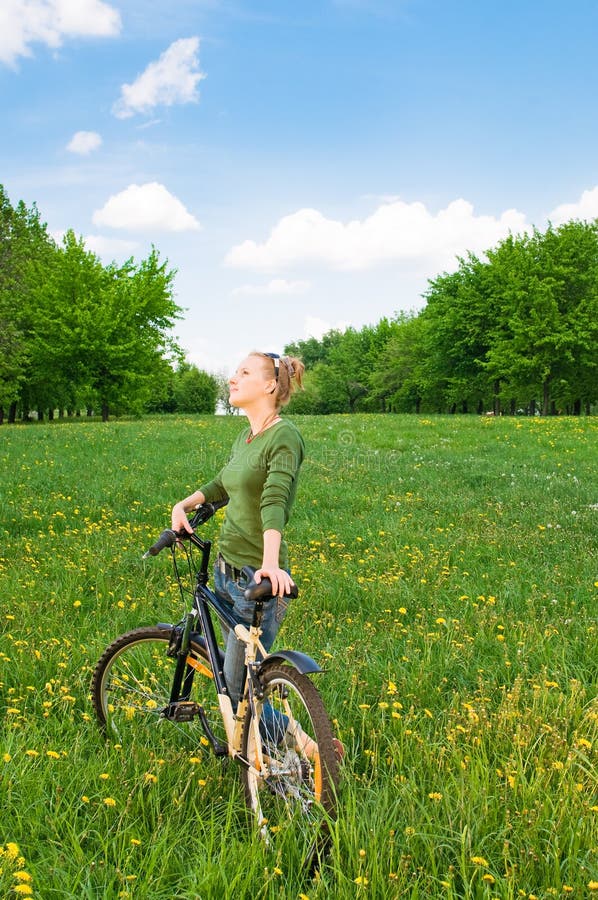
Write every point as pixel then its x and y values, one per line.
pixel 303 165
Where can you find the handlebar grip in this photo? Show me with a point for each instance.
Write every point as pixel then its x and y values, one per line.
pixel 166 539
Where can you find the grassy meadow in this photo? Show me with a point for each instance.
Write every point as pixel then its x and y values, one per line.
pixel 448 574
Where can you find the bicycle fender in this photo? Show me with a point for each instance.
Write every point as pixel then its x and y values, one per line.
pixel 301 661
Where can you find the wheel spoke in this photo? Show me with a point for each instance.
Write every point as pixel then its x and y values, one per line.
pixel 298 781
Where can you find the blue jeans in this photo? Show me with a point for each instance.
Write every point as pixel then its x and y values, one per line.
pixel 234 658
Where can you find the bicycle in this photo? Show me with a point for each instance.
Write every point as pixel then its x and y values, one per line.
pixel 280 734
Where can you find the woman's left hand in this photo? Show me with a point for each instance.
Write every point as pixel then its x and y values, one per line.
pixel 280 578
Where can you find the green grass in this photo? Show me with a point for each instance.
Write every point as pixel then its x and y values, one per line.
pixel 448 578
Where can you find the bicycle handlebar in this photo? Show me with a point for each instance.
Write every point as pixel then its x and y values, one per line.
pixel 169 537
pixel 166 539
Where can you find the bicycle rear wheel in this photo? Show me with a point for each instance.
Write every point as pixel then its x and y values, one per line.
pixel 131 688
pixel 300 776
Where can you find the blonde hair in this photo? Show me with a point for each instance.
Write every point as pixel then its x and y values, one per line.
pixel 290 375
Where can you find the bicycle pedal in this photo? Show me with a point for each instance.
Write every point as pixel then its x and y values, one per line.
pixel 183 711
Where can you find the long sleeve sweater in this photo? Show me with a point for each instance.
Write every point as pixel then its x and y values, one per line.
pixel 260 482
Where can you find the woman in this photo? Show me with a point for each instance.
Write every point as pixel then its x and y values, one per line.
pixel 259 482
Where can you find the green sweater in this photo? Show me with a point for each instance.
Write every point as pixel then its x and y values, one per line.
pixel 260 482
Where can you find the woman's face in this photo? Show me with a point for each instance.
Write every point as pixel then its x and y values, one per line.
pixel 250 382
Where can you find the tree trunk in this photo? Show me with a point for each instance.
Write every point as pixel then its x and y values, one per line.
pixel 496 400
pixel 577 408
pixel 12 414
pixel 105 412
pixel 545 397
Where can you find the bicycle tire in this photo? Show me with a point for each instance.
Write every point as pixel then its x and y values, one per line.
pixel 131 684
pixel 299 786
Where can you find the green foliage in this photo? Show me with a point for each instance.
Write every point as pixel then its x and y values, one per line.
pixel 194 391
pixel 77 333
pixel 517 330
pixel 514 331
pixel 446 568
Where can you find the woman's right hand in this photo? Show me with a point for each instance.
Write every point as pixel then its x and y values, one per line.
pixel 180 522
pixel 179 519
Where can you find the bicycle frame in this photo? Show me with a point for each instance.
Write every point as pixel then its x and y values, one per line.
pixel 203 600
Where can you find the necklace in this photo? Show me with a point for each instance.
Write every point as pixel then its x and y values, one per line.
pixel 269 421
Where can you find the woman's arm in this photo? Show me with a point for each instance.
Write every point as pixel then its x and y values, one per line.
pixel 281 580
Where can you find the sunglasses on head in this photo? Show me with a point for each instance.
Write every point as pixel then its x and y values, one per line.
pixel 275 357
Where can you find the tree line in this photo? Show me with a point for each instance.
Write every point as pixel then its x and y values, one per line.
pixel 514 332
pixel 76 335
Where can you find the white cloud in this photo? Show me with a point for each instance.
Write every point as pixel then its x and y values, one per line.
pixel 26 22
pixel 172 79
pixel 585 208
pixel 273 287
pixel 145 207
pixel 395 232
pixel 84 142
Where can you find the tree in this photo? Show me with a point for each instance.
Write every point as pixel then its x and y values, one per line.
pixel 26 251
pixel 546 294
pixel 397 379
pixel 195 391
pixel 105 330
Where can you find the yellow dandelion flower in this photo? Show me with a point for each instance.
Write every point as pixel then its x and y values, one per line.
pixel 52 754
pixel 22 876
pixel 104 776
pixel 479 861
pixel 593 885
pixel 25 890
pixel 201 782
pixel 194 759
pixel 489 878
pixel 135 842
pixel 435 795
pixel 361 879
pixel 109 801
pixel 32 753
pixel 84 799
pixel 7 757
pixel 12 850
pixel 567 889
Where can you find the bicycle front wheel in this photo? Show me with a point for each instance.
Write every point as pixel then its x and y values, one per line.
pixel 300 768
pixel 131 688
